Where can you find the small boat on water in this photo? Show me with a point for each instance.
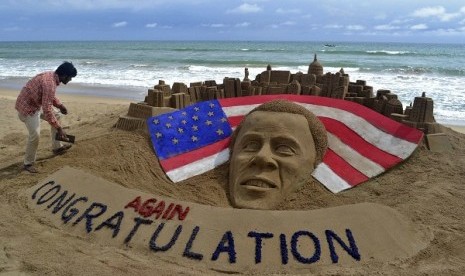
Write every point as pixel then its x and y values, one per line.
pixel 330 45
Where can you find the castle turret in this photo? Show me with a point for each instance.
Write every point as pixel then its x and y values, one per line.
pixel 315 68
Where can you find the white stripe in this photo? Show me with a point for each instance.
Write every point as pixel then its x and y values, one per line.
pixel 239 110
pixel 383 140
pixel 329 179
pixel 198 167
pixel 355 159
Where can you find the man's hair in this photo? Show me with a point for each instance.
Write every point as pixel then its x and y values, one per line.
pixel 66 69
pixel 316 127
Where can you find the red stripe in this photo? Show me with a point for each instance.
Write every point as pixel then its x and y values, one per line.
pixel 235 120
pixel 195 155
pixel 357 143
pixel 343 169
pixel 376 119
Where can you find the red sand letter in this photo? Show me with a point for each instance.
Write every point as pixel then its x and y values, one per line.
pixel 146 209
pixel 134 204
pixel 181 214
pixel 158 209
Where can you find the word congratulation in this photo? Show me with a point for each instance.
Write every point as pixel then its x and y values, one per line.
pixel 303 246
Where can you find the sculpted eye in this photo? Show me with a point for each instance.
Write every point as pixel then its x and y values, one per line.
pixel 251 146
pixel 285 150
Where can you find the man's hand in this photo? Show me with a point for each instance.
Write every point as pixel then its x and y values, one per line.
pixel 63 109
pixel 61 134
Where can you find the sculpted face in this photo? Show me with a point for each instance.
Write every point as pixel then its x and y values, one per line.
pixel 273 155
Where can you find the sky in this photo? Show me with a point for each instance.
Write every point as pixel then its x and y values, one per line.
pixel 423 21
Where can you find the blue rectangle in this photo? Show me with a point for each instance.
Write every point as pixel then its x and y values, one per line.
pixel 193 127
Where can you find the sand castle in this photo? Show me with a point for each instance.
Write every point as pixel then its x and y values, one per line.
pixel 162 98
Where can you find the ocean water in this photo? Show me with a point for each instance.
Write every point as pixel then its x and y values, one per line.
pixel 128 68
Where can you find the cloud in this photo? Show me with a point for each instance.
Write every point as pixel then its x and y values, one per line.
pixel 286 23
pixel 449 32
pixel 12 29
pixel 246 8
pixel 242 25
pixel 437 11
pixel 151 25
pixel 284 11
pixel 386 27
pixel 401 21
pixel 419 27
pixel 355 27
pixel 216 25
pixel 333 26
pixel 120 24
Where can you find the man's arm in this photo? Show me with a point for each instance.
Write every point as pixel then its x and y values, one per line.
pixel 48 101
pixel 58 104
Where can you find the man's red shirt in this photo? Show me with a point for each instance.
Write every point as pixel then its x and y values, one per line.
pixel 39 92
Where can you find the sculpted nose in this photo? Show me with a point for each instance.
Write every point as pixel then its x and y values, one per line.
pixel 264 159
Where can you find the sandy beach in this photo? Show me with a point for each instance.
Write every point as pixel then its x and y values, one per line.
pixel 427 189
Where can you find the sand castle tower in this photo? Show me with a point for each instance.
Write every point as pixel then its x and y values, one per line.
pixel 420 115
pixel 315 67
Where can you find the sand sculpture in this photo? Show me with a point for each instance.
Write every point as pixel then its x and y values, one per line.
pixel 162 98
pixel 219 240
pixel 274 151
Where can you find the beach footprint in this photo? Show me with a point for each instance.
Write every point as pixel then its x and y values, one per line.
pixel 8 266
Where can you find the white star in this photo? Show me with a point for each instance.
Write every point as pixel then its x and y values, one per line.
pixel 220 132
pixel 195 117
pixel 223 119
pixel 158 134
pixel 156 121
pixel 211 113
pixel 168 125
pixel 212 105
pixel 195 128
pixel 194 139
pixel 184 122
pixel 208 123
pixel 175 141
pixel 180 130
pixel 196 108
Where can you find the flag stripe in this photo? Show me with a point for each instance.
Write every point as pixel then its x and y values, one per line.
pixel 354 141
pixel 343 169
pixel 330 180
pixel 385 141
pixel 192 156
pixel 354 158
pixel 235 120
pixel 198 167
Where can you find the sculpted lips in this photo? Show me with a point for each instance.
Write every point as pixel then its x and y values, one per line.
pixel 258 183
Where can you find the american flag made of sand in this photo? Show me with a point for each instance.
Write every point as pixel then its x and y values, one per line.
pixel 361 142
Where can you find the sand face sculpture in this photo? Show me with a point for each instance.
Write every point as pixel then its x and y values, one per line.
pixel 273 153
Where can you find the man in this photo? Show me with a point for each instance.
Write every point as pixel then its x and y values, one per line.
pixel 273 152
pixel 35 102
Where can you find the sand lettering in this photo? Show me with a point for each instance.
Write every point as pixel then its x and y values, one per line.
pixel 304 246
pixel 150 207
